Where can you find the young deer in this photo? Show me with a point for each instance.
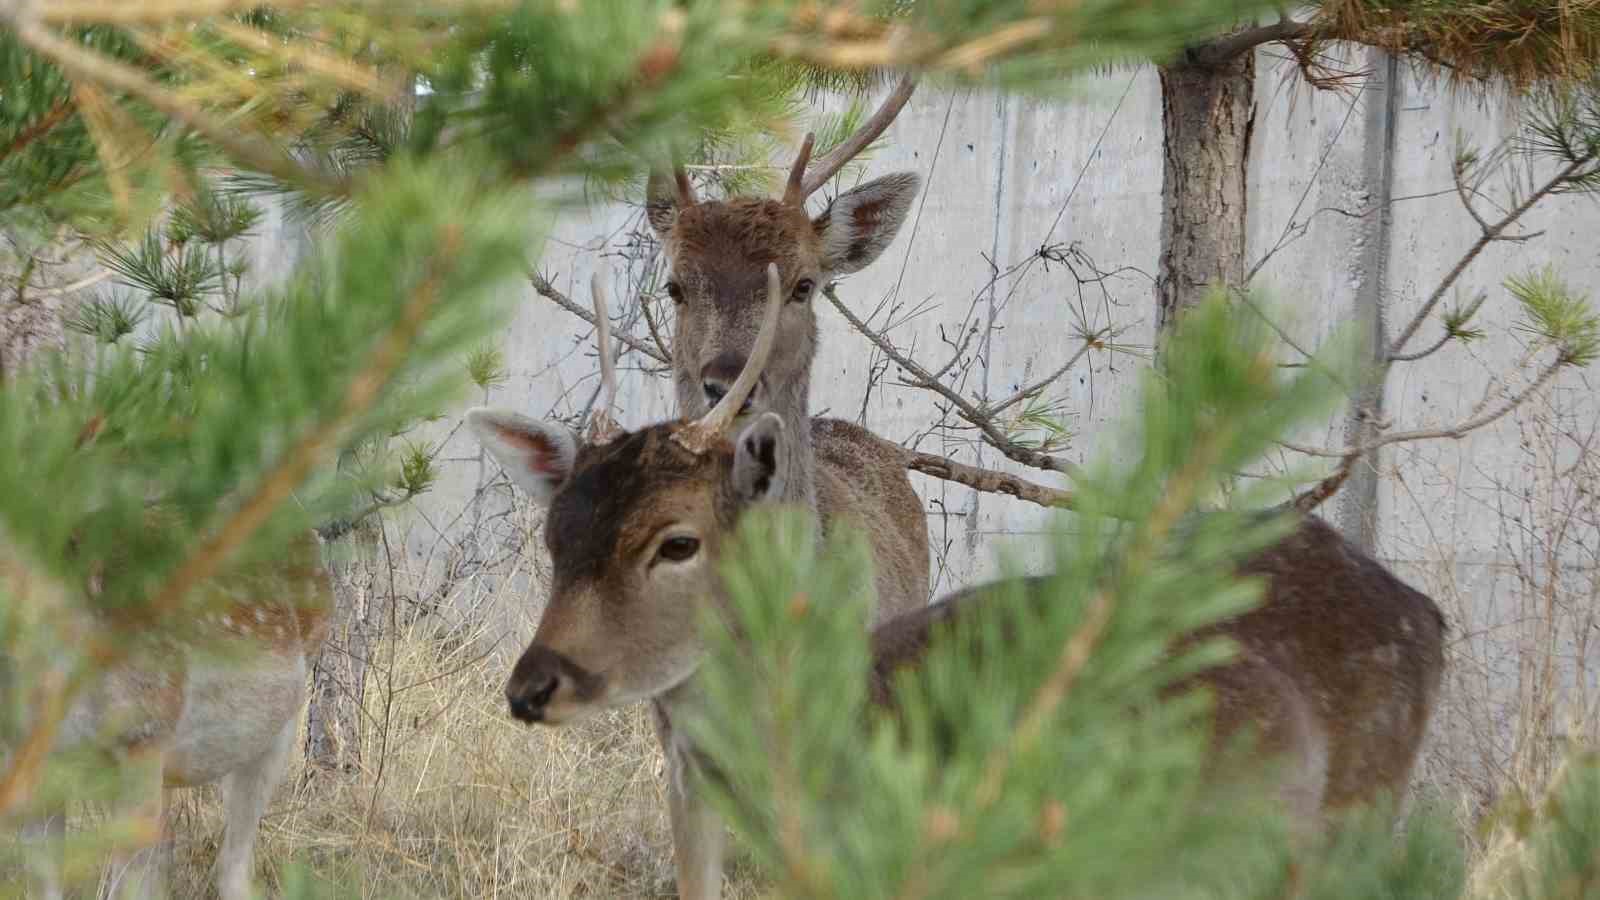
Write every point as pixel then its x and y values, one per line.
pixel 1338 671
pixel 718 253
pixel 222 703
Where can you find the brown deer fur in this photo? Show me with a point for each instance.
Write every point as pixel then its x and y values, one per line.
pixel 1338 671
pixel 719 251
pixel 1338 667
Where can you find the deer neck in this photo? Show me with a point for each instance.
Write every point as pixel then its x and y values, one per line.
pixel 793 405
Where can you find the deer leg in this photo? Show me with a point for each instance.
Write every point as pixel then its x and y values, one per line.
pixel 137 872
pixel 246 793
pixel 43 840
pixel 697 832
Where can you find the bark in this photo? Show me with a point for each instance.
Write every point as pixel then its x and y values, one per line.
pixel 989 481
pixel 1207 113
pixel 339 675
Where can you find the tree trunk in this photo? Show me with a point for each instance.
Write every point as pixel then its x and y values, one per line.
pixel 339 676
pixel 1207 113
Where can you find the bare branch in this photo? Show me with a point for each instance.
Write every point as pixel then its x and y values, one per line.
pixel 1454 432
pixel 549 292
pixel 1486 236
pixel 988 481
pixel 1032 389
pixel 1461 429
pixel 1310 499
pixel 1424 353
pixel 653 328
pixel 980 418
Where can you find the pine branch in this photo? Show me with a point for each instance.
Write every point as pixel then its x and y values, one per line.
pixel 1052 692
pixel 46 123
pixel 144 12
pixel 1220 50
pixel 83 63
pixel 1487 235
pixel 298 460
pixel 275 487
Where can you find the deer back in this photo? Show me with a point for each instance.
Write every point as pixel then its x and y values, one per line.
pixel 1338 667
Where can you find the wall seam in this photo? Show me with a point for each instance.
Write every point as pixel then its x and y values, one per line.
pixel 1358 509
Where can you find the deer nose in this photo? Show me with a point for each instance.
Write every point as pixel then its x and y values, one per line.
pixel 533 682
pixel 717 378
pixel 528 700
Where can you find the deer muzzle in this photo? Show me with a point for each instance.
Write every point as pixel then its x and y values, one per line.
pixel 717 378
pixel 547 687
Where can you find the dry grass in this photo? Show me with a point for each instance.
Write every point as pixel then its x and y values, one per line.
pixel 458 800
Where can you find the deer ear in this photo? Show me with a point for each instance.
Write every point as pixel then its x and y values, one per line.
pixel 537 455
pixel 759 458
pixel 860 223
pixel 661 203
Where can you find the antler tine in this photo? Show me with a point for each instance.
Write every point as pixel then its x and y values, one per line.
pixel 680 177
pixel 703 434
pixel 869 131
pixel 602 428
pixel 794 194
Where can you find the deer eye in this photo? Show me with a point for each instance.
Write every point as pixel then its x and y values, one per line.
pixel 802 290
pixel 675 292
pixel 678 549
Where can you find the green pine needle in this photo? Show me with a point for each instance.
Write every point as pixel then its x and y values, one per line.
pixel 486 366
pixel 1558 315
pixel 108 317
pixel 180 279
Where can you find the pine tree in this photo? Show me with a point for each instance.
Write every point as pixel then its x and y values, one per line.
pixel 1016 766
pixel 196 430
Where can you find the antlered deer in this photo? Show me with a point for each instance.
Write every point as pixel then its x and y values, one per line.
pixel 718 252
pixel 1338 668
pixel 218 702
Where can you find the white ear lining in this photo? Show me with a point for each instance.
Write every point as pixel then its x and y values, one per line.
pixel 537 455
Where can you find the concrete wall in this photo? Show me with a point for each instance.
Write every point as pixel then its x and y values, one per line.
pixel 1005 175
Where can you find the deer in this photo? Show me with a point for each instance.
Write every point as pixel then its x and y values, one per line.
pixel 1337 673
pixel 718 252
pixel 216 701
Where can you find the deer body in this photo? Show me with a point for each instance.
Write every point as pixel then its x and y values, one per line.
pixel 220 702
pixel 1338 672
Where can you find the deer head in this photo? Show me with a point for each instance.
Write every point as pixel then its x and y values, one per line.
pixel 634 528
pixel 718 252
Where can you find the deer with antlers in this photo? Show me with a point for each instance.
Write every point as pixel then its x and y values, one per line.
pixel 217 699
pixel 1338 670
pixel 718 252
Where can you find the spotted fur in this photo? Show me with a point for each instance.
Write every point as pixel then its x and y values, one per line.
pixel 217 697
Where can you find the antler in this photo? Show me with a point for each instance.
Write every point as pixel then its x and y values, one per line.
pixel 704 433
pixel 680 177
pixel 869 131
pixel 602 428
pixel 795 194
pixel 682 190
